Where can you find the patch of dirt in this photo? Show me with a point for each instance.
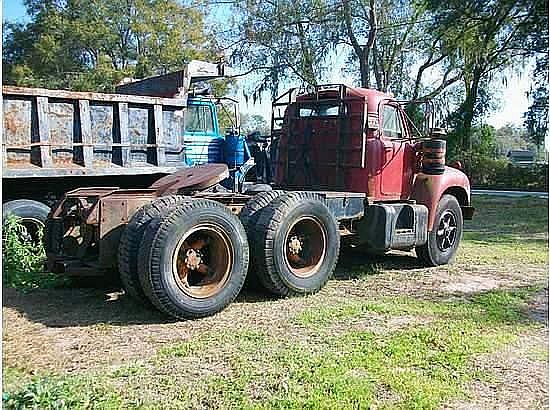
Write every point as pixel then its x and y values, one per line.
pixel 469 284
pixel 538 307
pixel 517 380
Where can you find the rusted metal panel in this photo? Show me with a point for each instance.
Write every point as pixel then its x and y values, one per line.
pixel 115 212
pixel 191 179
pixel 79 95
pixel 86 132
pixel 50 133
pixel 162 86
pixel 44 131
pixel 176 83
pixel 159 135
pixel 88 223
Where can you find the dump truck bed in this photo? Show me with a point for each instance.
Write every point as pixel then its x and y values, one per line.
pixel 49 133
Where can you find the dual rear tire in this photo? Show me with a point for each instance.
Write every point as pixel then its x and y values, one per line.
pixel 295 244
pixel 188 258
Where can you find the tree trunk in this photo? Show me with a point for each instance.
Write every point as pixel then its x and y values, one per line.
pixel 468 107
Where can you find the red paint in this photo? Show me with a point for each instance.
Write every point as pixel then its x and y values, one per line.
pixel 370 160
pixel 428 189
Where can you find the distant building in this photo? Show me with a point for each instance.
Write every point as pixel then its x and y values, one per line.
pixel 521 157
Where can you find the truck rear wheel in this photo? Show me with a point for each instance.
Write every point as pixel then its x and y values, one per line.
pixel 193 262
pixel 32 215
pixel 249 217
pixel 296 244
pixel 444 238
pixel 251 211
pixel 131 237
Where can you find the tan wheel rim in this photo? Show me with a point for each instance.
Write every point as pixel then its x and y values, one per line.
pixel 202 261
pixel 305 246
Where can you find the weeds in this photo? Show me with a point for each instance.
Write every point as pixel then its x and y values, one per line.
pixel 23 259
pixel 62 393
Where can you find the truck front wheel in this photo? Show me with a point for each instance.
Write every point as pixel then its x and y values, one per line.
pixel 296 244
pixel 444 238
pixel 194 262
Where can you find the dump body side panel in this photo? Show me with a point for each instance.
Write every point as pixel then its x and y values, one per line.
pixel 49 133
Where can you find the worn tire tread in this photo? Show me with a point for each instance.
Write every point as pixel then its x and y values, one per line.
pixel 150 260
pixel 250 213
pixel 265 229
pixel 129 247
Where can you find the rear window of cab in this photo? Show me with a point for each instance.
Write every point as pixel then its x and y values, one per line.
pixel 320 110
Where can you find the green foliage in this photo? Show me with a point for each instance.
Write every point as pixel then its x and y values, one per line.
pixel 500 173
pixel 254 122
pixel 485 162
pixel 510 137
pixel 485 38
pixel 482 140
pixel 23 259
pixel 93 44
pixel 60 394
pixel 536 117
pixel 281 41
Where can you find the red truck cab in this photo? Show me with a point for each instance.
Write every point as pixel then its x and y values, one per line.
pixel 346 139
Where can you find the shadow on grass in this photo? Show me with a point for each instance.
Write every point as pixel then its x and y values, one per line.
pixel 354 264
pixel 67 307
pixel 92 301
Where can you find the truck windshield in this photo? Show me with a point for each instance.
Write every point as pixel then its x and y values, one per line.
pixel 322 110
pixel 198 118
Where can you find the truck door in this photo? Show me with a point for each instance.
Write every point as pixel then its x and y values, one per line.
pixel 203 142
pixel 397 155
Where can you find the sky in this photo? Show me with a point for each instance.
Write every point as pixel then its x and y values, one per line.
pixel 513 101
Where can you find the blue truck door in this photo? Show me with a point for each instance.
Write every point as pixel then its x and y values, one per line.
pixel 202 138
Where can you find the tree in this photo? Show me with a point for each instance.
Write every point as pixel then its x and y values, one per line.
pixel 485 38
pixel 254 122
pixel 92 44
pixel 536 118
pixel 385 41
pixel 281 41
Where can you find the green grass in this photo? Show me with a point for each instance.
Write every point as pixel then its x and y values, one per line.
pixel 54 392
pixel 418 366
pixel 498 307
pixel 398 352
pixel 506 230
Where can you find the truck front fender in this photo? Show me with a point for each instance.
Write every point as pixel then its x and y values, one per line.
pixel 428 190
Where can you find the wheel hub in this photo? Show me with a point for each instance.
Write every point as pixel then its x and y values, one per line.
pixel 295 245
pixel 202 261
pixel 446 232
pixel 193 258
pixel 305 246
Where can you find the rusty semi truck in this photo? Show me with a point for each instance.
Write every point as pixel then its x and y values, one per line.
pixel 350 169
pixel 55 140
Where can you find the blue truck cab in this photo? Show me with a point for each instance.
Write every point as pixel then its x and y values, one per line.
pixel 205 142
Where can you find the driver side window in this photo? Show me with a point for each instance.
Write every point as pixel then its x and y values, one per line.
pixel 391 122
pixel 198 118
